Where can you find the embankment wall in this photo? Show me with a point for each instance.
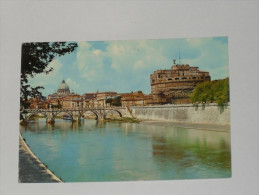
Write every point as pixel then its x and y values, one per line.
pixel 187 113
pixel 39 163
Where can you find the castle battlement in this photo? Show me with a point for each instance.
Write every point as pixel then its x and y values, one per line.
pixel 181 79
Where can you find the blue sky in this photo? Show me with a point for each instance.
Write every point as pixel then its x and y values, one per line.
pixel 125 66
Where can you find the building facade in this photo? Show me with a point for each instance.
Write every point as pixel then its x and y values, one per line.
pixel 176 85
pixel 63 98
pixel 167 86
pixel 63 91
pixel 134 99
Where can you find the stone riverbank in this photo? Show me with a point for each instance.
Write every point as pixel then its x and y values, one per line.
pixel 31 169
pixel 185 113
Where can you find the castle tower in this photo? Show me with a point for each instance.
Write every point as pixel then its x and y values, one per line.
pixel 176 83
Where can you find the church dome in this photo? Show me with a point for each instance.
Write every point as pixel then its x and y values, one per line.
pixel 63 88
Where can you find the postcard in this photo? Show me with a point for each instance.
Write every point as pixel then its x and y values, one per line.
pixel 124 110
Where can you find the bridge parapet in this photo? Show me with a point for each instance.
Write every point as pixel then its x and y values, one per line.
pixel 74 108
pixel 75 113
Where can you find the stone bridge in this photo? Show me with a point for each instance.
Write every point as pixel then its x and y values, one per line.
pixel 74 113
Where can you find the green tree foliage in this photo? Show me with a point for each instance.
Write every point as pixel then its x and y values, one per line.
pixel 108 101
pixel 35 59
pixel 117 101
pixel 214 91
pixel 114 101
pixel 222 91
pixel 203 92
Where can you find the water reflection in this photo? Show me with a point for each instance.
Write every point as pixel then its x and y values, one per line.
pixel 192 149
pixel 110 151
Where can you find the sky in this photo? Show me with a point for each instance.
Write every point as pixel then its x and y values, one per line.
pixel 125 66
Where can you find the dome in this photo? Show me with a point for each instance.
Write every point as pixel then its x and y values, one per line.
pixel 63 88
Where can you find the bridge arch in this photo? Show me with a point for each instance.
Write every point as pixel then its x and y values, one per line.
pixel 97 115
pixel 75 114
pixel 27 118
pixel 113 110
pixel 64 112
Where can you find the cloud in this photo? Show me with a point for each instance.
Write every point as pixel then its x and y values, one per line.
pixel 125 66
pixel 72 84
pixel 88 61
pixel 213 58
pixel 135 55
pixel 50 80
pixel 121 65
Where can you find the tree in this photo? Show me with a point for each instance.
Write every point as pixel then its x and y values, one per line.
pixel 222 91
pixel 35 60
pixel 108 101
pixel 207 91
pixel 114 101
pixel 203 92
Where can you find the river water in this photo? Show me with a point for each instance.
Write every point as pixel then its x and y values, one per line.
pixel 112 151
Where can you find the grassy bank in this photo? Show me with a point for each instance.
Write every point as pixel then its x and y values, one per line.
pixel 36 117
pixel 124 120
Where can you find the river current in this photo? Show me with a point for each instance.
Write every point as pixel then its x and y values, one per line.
pixel 112 151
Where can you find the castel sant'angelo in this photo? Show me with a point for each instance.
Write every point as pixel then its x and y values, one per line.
pixel 173 86
pixel 176 85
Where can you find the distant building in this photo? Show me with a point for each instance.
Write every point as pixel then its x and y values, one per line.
pixel 167 86
pixel 101 98
pixel 63 91
pixel 97 99
pixel 88 100
pixel 134 99
pixel 105 94
pixel 63 97
pixel 72 101
pixel 36 103
pixel 176 85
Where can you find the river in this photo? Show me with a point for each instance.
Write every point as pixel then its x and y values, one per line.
pixel 112 151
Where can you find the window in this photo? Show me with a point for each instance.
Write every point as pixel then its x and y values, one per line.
pixel 176 78
pixel 169 79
